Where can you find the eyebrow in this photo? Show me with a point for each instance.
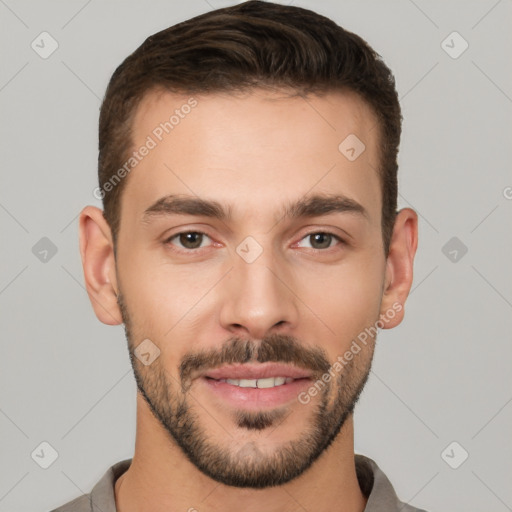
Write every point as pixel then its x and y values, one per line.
pixel 186 205
pixel 309 206
pixel 317 205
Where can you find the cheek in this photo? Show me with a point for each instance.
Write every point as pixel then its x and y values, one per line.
pixel 160 291
pixel 166 302
pixel 347 300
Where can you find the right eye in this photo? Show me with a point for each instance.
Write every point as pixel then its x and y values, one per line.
pixel 188 240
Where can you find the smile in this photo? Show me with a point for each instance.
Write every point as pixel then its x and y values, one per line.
pixel 263 383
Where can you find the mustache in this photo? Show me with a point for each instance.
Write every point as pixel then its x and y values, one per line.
pixel 273 348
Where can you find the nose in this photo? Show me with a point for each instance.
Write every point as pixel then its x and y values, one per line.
pixel 258 299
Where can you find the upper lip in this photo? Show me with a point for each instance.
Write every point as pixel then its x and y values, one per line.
pixel 256 371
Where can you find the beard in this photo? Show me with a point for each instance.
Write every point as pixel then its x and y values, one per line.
pixel 246 465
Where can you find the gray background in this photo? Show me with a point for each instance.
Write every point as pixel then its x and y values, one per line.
pixel 441 376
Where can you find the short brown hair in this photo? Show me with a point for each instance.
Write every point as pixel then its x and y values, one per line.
pixel 253 44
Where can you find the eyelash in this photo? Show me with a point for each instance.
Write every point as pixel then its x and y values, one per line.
pixel 189 251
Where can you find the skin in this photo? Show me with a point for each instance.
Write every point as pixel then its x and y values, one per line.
pixel 258 153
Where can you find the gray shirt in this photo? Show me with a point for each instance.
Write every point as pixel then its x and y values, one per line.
pixel 373 482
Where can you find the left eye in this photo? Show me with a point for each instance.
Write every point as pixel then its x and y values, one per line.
pixel 319 240
pixel 189 240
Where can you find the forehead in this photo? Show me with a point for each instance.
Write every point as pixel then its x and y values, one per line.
pixel 241 149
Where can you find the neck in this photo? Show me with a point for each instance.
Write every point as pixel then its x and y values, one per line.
pixel 161 478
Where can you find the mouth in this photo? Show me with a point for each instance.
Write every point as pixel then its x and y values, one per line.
pixel 256 386
pixel 257 371
pixel 265 383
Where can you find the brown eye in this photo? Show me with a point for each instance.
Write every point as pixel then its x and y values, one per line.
pixel 188 240
pixel 191 240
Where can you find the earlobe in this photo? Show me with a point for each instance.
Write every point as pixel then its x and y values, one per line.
pixel 399 266
pixel 96 250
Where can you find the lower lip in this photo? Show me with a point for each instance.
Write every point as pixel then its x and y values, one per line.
pixel 256 398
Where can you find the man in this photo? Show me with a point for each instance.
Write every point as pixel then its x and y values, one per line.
pixel 251 246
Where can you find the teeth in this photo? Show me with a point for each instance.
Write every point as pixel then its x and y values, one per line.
pixel 269 382
pixel 247 383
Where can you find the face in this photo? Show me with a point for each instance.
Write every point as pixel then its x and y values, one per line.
pixel 250 254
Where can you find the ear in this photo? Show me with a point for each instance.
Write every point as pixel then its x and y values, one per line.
pixel 399 267
pixel 97 251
